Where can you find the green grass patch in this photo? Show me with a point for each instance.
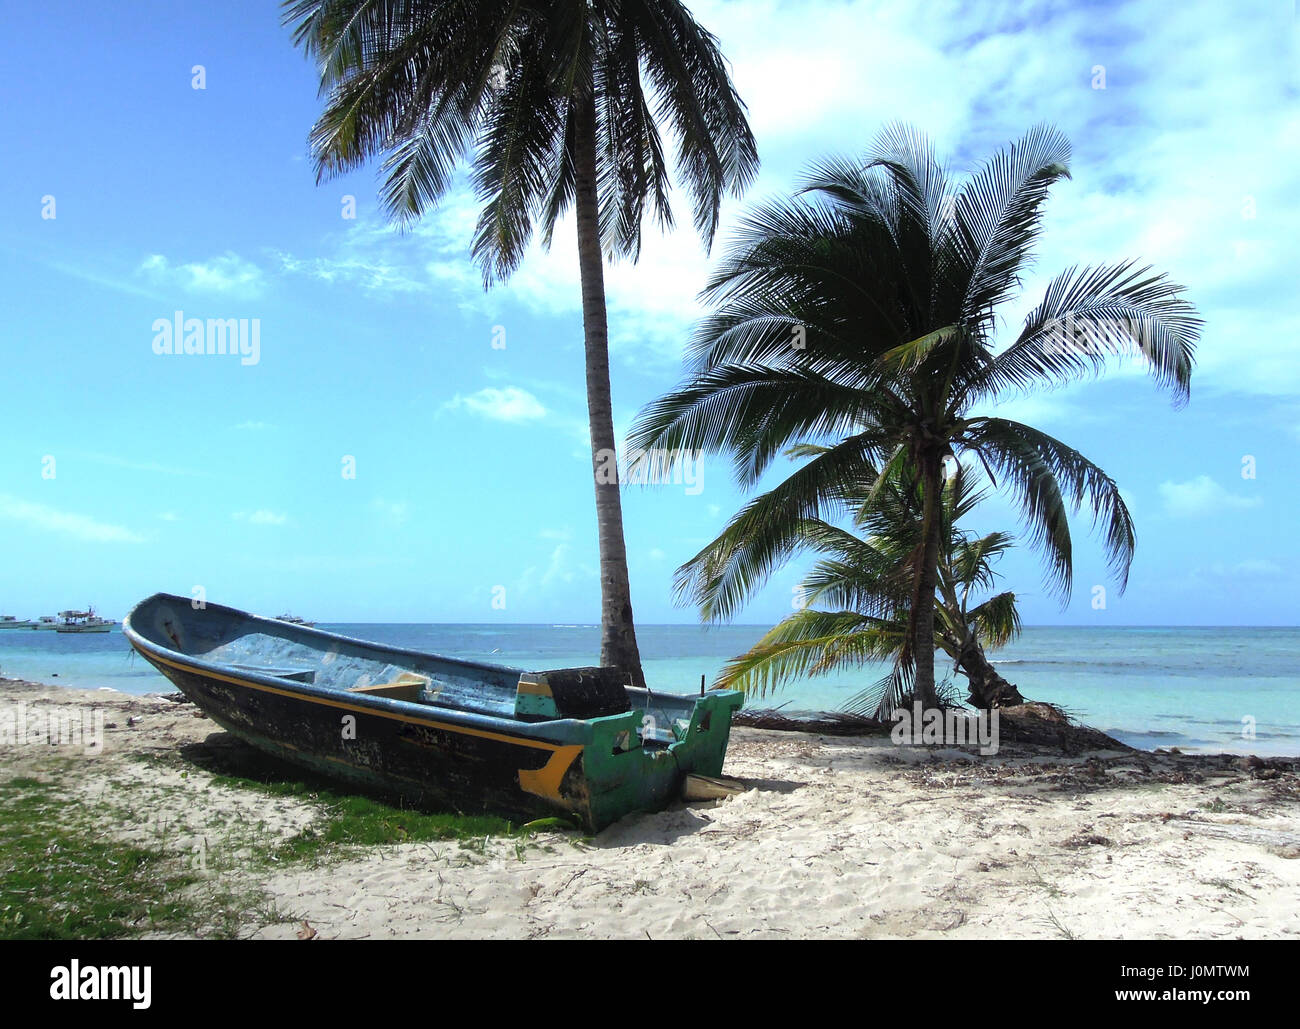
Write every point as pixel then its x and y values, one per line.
pixel 355 821
pixel 362 820
pixel 63 875
pixel 57 881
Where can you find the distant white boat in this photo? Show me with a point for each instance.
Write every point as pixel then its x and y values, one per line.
pixel 47 622
pixel 295 620
pixel 10 622
pixel 84 621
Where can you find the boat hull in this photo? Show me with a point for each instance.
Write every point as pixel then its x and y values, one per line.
pixel 592 771
pixel 428 764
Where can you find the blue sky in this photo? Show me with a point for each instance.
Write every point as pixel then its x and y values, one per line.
pixel 171 472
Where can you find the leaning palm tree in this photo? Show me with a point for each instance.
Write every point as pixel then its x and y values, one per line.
pixel 552 105
pixel 861 313
pixel 863 582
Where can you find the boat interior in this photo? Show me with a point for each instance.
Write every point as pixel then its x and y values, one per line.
pixel 266 647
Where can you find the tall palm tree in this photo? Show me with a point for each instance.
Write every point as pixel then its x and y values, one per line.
pixel 862 312
pixel 863 584
pixel 552 105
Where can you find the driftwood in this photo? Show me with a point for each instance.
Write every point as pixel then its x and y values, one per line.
pixel 1240 833
pixel 826 723
pixel 1036 724
pixel 710 787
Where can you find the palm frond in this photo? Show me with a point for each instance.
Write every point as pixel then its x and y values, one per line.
pixel 996 621
pixel 885 695
pixel 999 212
pixel 515 151
pixel 809 643
pixel 429 85
pixel 693 94
pixel 1048 477
pixel 752 411
pixel 771 527
pixel 1090 316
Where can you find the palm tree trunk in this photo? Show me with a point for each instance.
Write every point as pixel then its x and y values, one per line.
pixel 987 688
pixel 923 599
pixel 617 635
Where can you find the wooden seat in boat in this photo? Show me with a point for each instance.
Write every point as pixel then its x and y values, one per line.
pixel 408 686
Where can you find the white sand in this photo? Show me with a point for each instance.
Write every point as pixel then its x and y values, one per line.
pixel 838 837
pixel 841 839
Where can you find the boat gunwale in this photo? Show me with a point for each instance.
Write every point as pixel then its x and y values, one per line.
pixel 313 631
pixel 553 732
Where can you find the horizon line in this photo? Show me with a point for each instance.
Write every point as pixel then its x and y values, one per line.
pixel 765 625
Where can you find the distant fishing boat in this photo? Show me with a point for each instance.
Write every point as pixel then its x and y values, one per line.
pixel 84 621
pixel 12 622
pixel 295 620
pixel 461 734
pixel 47 622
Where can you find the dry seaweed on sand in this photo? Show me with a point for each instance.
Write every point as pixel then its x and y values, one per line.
pixel 1046 725
pixel 1035 724
pixel 826 723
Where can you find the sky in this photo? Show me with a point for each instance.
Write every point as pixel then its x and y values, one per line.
pixel 407 446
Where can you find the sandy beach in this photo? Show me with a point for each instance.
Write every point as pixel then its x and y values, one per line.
pixel 835 837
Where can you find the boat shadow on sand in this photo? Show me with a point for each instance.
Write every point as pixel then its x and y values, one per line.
pixel 224 755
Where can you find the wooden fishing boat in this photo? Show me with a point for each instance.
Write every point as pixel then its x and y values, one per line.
pixel 445 732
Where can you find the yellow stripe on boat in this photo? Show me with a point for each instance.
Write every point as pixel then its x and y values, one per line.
pixel 545 781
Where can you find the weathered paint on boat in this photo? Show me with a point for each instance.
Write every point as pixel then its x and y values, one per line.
pixel 441 731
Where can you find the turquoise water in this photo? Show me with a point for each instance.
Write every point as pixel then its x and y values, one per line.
pixel 1151 687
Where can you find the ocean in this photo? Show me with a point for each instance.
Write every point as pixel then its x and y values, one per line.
pixel 1204 689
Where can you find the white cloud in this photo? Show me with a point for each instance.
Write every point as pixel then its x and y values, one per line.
pixel 261 517
pixel 254 426
pixel 376 257
pixel 79 527
pixel 374 276
pixel 1189 164
pixel 1242 572
pixel 1201 496
pixel 651 304
pixel 97 277
pixel 1258 568
pixel 1170 159
pixel 559 570
pixel 507 404
pixel 393 511
pixel 114 461
pixel 226 273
